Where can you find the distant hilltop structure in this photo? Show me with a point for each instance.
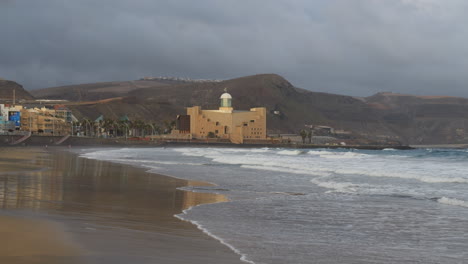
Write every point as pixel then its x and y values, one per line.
pixel 178 79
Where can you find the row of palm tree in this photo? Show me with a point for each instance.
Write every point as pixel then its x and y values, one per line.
pixel 121 128
pixel 303 133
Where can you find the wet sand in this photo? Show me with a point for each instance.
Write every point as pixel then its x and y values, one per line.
pixel 26 240
pixel 58 208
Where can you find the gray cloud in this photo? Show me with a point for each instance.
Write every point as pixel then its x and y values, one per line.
pixel 354 47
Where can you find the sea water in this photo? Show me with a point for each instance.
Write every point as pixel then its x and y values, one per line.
pixel 322 205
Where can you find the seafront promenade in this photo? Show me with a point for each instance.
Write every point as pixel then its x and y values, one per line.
pixel 35 140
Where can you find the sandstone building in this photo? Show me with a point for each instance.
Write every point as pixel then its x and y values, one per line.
pixel 224 123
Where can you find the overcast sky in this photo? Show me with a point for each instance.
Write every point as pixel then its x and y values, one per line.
pixel 353 47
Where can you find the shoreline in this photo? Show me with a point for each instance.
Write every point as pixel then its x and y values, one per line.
pixel 143 209
pixel 201 228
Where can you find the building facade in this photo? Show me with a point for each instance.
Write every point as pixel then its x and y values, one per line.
pixel 43 120
pixel 224 123
pixel 6 125
pixel 11 114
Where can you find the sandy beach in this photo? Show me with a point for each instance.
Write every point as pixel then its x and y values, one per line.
pixel 59 208
pixel 35 241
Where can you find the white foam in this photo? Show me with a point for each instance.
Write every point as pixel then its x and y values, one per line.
pixel 204 230
pixel 317 163
pixel 290 152
pixel 451 201
pixel 338 155
pixel 262 150
pixel 364 188
pixel 121 157
pixel 403 175
pixel 341 187
pixel 287 170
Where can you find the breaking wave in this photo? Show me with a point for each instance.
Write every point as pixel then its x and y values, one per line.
pixel 451 201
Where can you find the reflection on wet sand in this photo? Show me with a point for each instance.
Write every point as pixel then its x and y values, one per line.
pixel 119 214
pixel 35 241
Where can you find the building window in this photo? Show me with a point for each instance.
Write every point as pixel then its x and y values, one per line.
pixel 217 123
pixel 252 121
pixel 216 131
pixel 245 124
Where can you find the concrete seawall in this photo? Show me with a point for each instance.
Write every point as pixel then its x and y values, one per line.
pixel 35 140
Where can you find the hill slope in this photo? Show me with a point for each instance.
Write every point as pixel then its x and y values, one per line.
pixel 96 91
pixel 6 91
pixel 410 119
pixel 423 119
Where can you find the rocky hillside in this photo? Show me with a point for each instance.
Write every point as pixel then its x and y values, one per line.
pixel 6 91
pixel 409 119
pixel 97 91
pixel 423 119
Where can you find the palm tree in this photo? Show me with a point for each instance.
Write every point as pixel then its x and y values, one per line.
pixel 99 125
pixel 87 123
pixel 75 125
pixel 109 125
pixel 157 129
pixel 149 129
pixel 168 126
pixel 151 126
pixel 123 126
pixel 138 126
pixel 96 126
pixel 303 134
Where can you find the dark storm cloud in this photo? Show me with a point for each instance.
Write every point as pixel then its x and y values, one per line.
pixel 355 47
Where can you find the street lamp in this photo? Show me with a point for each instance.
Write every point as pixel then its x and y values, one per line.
pixel 152 131
pixel 126 131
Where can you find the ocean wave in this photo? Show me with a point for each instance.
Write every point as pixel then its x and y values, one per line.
pixel 291 152
pixel 319 163
pixel 451 201
pixel 368 189
pixel 288 170
pixel 341 187
pixel 402 175
pixel 337 154
pixel 261 150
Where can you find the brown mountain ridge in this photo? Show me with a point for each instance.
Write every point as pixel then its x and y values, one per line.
pixel 407 118
pixel 6 91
